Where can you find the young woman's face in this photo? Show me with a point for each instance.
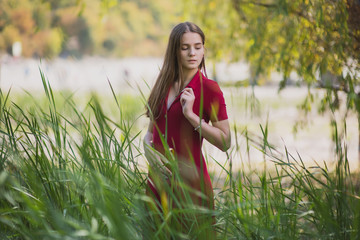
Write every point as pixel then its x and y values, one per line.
pixel 191 50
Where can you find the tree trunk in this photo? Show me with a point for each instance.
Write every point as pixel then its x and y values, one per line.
pixel 353 7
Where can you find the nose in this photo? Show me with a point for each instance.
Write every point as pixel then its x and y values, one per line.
pixel 192 52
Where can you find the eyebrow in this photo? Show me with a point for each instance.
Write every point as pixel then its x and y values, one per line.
pixel 187 44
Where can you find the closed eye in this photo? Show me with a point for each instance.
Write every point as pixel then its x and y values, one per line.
pixel 198 46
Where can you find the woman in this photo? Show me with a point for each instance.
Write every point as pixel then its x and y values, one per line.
pixel 181 106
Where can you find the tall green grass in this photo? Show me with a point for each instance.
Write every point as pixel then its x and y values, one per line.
pixel 70 172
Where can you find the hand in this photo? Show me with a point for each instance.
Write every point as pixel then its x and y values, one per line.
pixel 158 162
pixel 187 99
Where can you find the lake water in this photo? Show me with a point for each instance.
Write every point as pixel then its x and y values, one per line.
pixel 93 73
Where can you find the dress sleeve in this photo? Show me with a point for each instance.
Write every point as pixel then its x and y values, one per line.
pixel 214 104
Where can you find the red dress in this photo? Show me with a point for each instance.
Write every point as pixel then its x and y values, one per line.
pixel 186 142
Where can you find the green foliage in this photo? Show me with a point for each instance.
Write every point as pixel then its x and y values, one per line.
pixel 318 41
pixel 70 170
pixel 301 36
pixel 73 27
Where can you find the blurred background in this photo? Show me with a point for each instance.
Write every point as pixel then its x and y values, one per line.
pixel 292 66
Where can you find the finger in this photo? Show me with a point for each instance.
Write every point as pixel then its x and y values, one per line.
pixel 190 90
pixel 184 91
pixel 187 94
pixel 183 102
pixel 184 96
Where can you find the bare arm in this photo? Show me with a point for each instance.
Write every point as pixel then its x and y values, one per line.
pixel 218 133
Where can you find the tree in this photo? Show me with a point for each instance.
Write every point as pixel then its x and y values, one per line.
pixel 312 38
pixel 29 22
pixel 79 27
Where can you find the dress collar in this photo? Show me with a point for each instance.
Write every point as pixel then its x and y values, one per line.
pixel 194 81
pixel 192 84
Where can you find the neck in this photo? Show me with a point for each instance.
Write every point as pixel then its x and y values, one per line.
pixel 188 75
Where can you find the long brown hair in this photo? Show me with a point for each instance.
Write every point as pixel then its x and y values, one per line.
pixel 171 70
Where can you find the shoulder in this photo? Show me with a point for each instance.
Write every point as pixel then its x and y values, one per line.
pixel 214 102
pixel 211 86
pixel 208 81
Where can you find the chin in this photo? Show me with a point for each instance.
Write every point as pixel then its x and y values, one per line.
pixel 191 67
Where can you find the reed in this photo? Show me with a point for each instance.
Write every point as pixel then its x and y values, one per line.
pixel 70 172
